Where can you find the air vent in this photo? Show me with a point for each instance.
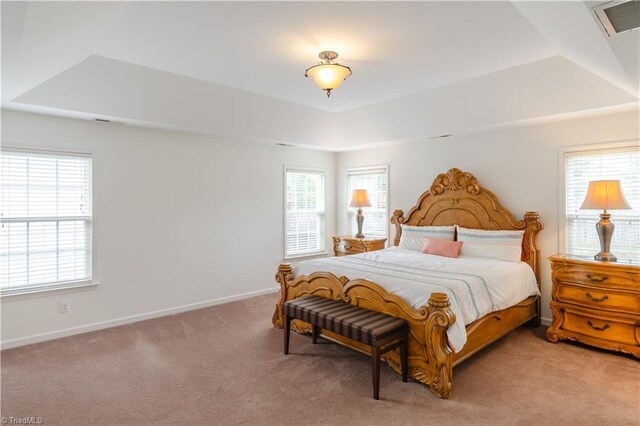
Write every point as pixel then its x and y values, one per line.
pixel 284 144
pixel 618 16
pixel 104 120
pixel 440 136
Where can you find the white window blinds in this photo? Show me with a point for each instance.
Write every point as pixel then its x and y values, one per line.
pixel 376 218
pixel 304 212
pixel 584 166
pixel 46 220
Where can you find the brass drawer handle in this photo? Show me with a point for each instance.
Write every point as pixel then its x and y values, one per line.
pixel 597 299
pixel 597 279
pixel 595 327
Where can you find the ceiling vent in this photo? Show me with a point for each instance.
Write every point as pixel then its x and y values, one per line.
pixel 104 120
pixel 618 16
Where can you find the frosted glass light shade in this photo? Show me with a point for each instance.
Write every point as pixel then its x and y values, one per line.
pixel 360 198
pixel 605 195
pixel 328 76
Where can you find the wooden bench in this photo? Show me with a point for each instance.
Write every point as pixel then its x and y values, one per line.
pixel 380 331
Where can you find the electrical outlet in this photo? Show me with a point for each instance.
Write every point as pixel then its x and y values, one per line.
pixel 65 307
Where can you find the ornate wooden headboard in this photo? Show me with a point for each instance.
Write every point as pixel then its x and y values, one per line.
pixel 456 198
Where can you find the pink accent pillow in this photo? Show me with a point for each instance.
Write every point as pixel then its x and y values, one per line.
pixel 441 247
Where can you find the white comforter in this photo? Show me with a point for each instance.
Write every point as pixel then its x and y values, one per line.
pixel 475 286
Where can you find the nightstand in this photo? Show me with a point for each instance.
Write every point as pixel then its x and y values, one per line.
pixel 596 303
pixel 348 244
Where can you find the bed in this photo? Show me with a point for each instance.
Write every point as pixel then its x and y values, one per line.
pixel 442 334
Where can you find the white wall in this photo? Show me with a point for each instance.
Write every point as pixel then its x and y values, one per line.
pixel 180 222
pixel 180 219
pixel 519 165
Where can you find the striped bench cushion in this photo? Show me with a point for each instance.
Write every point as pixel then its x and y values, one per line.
pixel 356 323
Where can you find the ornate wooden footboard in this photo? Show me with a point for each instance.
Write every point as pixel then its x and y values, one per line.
pixel 430 359
pixel 454 198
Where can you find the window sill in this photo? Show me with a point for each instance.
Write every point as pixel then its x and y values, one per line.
pixel 28 293
pixel 304 255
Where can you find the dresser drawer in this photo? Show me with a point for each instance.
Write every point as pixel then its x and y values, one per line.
pixel 597 277
pixel 344 248
pixel 595 303
pixel 352 248
pixel 599 298
pixel 346 245
pixel 625 330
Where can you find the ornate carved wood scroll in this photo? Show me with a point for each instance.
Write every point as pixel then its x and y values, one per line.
pixel 454 197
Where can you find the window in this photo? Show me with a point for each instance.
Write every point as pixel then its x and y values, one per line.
pixel 376 218
pixel 46 220
pixel 580 167
pixel 304 212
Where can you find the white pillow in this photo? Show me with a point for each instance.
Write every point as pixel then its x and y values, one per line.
pixel 505 245
pixel 412 237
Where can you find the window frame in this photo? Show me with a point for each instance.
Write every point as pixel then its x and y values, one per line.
pixel 67 286
pixel 348 195
pixel 563 151
pixel 315 170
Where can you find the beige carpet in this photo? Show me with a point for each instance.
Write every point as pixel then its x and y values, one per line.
pixel 224 365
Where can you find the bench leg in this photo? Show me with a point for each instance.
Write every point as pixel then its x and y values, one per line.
pixel 287 333
pixel 314 334
pixel 404 360
pixel 375 370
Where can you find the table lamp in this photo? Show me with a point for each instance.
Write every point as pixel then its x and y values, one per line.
pixel 360 199
pixel 605 195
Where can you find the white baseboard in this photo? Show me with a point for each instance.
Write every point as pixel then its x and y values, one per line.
pixel 36 338
pixel 42 337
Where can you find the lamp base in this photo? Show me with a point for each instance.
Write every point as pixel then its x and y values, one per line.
pixel 605 232
pixel 360 219
pixel 605 257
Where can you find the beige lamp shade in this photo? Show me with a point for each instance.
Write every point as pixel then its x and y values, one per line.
pixel 328 76
pixel 605 195
pixel 360 198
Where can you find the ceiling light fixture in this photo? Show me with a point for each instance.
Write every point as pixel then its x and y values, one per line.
pixel 328 75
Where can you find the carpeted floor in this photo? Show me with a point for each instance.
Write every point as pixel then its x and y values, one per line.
pixel 224 365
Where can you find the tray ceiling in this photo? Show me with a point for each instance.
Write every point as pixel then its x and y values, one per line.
pixel 252 55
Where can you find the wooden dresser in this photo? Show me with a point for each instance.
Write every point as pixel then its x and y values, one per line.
pixel 596 303
pixel 348 244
